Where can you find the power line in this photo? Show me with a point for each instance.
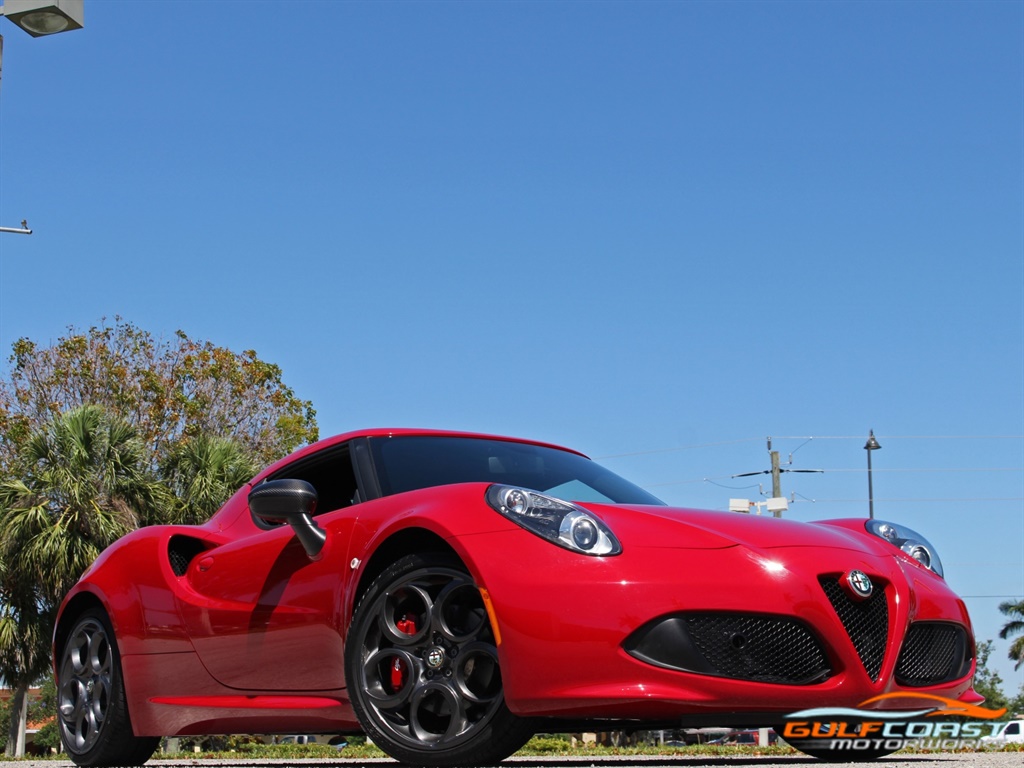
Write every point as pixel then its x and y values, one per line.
pixel 949 499
pixel 677 448
pixel 713 480
pixel 727 487
pixel 989 597
pixel 860 470
pixel 907 437
pixel 806 438
pixel 904 500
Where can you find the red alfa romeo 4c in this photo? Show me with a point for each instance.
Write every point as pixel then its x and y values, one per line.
pixel 451 594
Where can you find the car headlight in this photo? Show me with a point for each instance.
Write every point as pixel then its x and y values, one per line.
pixel 560 522
pixel 911 542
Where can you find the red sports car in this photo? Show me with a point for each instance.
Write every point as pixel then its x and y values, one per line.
pixel 451 594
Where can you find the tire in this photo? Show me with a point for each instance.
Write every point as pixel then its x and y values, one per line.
pixel 422 668
pixel 92 713
pixel 841 756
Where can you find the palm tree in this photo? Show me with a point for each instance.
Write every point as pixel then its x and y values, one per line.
pixel 1015 626
pixel 203 472
pixel 25 634
pixel 84 483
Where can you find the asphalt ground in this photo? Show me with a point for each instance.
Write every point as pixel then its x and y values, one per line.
pixel 935 760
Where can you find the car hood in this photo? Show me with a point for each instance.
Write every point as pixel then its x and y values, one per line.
pixel 672 527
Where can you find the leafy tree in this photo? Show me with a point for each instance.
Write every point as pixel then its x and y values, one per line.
pixel 203 472
pixel 1016 705
pixel 167 389
pixel 25 632
pixel 44 711
pixel 5 719
pixel 86 424
pixel 84 483
pixel 988 682
pixel 1015 626
pixel 24 655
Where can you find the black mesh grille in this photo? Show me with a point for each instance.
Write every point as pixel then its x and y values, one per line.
pixel 933 653
pixel 180 552
pixel 760 648
pixel 866 622
pixel 179 562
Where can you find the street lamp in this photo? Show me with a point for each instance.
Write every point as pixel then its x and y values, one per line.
pixel 869 446
pixel 40 18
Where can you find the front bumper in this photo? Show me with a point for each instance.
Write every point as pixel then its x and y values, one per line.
pixel 573 630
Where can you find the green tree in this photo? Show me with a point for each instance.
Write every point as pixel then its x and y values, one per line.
pixel 43 711
pixel 987 682
pixel 5 719
pixel 1016 705
pixel 167 389
pixel 24 647
pixel 24 656
pixel 84 483
pixel 1015 626
pixel 203 472
pixel 85 426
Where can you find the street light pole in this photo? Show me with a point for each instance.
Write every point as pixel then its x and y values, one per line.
pixel 869 446
pixel 39 18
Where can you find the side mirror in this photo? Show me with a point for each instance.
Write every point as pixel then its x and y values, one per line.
pixel 292 502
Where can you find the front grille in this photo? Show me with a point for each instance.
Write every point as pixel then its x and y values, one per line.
pixel 866 622
pixel 933 653
pixel 765 649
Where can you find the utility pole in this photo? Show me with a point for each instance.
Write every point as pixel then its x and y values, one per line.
pixel 777 503
pixel 776 474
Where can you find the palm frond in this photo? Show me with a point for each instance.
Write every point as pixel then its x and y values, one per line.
pixel 1017 652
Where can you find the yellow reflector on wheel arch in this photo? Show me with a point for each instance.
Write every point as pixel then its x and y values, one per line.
pixel 491 615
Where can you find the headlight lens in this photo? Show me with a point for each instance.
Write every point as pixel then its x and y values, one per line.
pixel 911 542
pixel 560 522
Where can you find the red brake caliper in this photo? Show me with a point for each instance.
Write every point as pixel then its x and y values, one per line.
pixel 406 625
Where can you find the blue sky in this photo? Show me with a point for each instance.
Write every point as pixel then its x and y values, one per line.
pixel 655 232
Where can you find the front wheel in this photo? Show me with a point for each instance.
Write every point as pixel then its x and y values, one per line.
pixel 422 668
pixel 91 707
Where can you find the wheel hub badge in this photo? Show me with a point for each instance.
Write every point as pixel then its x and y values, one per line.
pixel 859 585
pixel 435 657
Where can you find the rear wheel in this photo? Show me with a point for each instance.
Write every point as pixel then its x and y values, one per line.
pixel 422 668
pixel 91 708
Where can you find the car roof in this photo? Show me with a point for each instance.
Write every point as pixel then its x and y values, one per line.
pixel 327 442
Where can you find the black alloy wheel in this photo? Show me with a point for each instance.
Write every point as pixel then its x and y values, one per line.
pixel 92 712
pixel 422 668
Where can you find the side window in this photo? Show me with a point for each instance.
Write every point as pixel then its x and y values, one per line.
pixel 331 474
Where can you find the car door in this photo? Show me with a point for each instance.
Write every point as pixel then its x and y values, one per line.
pixel 263 615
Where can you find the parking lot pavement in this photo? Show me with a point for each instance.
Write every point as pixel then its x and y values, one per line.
pixel 936 760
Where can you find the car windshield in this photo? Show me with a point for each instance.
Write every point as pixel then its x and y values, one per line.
pixel 409 462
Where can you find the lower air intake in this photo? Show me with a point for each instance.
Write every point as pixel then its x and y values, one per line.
pixel 933 653
pixel 764 649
